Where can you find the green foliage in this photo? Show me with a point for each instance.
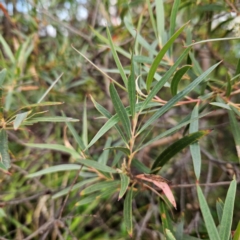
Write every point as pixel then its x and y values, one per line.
pixel 140 94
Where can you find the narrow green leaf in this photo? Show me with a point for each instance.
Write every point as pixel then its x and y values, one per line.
pixel 140 166
pixel 132 89
pixel 19 119
pixel 153 22
pixel 177 98
pixel 177 77
pixel 96 196
pixel 96 165
pixel 229 86
pixel 160 20
pixel 50 119
pixel 237 232
pixel 139 39
pixel 170 131
pixel 88 199
pixel 76 137
pixel 166 220
pixel 2 76
pixel 196 66
pixel 100 186
pixel 122 149
pixel 127 211
pixel 176 147
pixel 125 180
pixel 164 79
pixel 227 217
pixel 210 225
pixel 75 186
pixel 108 125
pixel 222 105
pixel 4 157
pixel 219 207
pixel 195 148
pixel 213 40
pixel 120 110
pixel 169 235
pixel 117 61
pixel 159 57
pixel 56 147
pixel 84 124
pixel 53 169
pixel 108 115
pixel 7 49
pixel 173 18
pixel 104 156
pixel 235 131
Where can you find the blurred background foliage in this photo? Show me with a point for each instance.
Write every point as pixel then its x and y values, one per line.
pixel 36 48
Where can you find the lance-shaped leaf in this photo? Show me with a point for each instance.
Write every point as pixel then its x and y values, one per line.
pixel 75 186
pixel 4 157
pixel 160 56
pixel 122 149
pixel 164 79
pixel 132 89
pixel 227 216
pixel 169 235
pixel 166 220
pixel 161 183
pixel 209 222
pixel 194 147
pixel 108 115
pixel 120 110
pixel 96 165
pixel 140 166
pixel 177 77
pixel 127 211
pixel 125 180
pixel 173 18
pixel 117 61
pixel 56 147
pixel 176 98
pixel 4 169
pixel 19 119
pixel 219 208
pixel 53 169
pixel 176 147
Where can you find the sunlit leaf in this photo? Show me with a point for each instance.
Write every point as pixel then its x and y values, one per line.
pixel 100 186
pixel 227 216
pixel 169 235
pixel 19 119
pixel 75 186
pixel 2 76
pixel 125 180
pixel 53 169
pixel 209 222
pixel 194 147
pixel 96 165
